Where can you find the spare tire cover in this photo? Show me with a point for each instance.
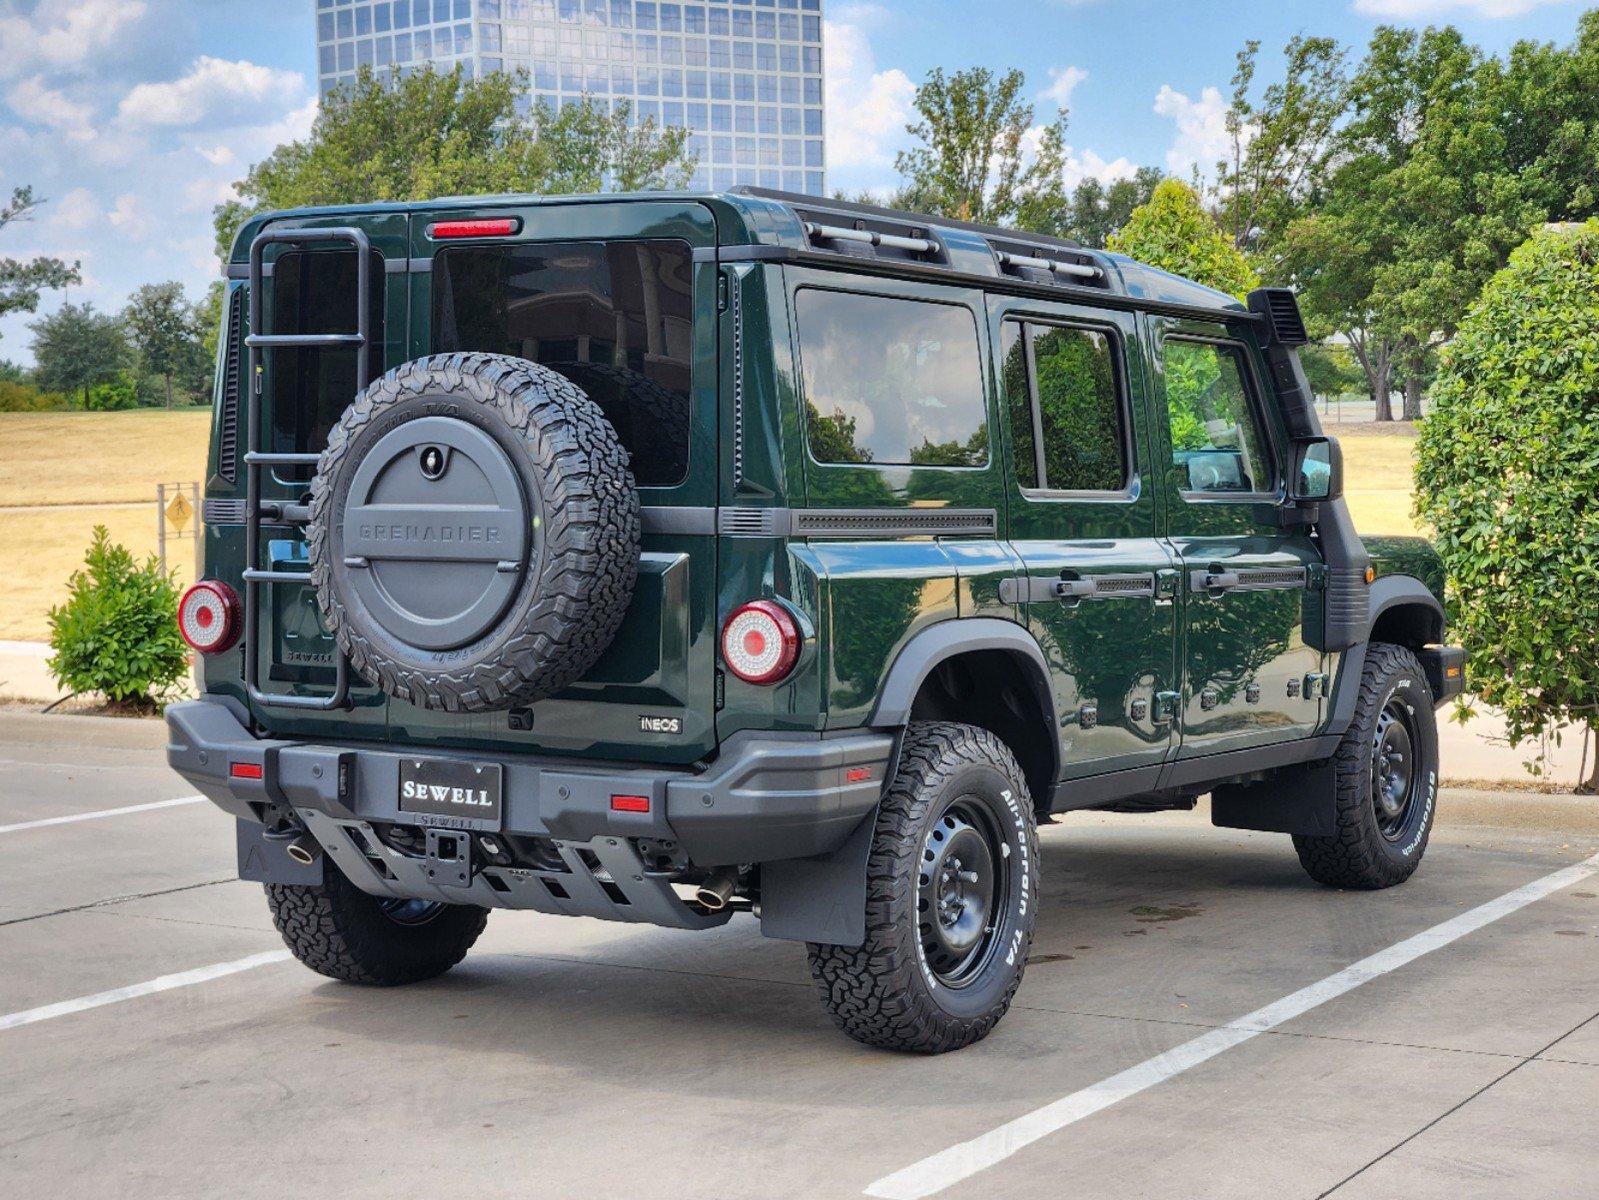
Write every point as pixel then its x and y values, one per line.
pixel 474 532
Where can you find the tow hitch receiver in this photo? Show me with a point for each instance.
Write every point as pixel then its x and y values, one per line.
pixel 449 857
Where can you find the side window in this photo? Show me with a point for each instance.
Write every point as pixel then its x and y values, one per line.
pixel 1216 439
pixel 890 381
pixel 1065 407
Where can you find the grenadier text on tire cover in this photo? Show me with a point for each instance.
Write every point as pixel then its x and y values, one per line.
pixel 682 558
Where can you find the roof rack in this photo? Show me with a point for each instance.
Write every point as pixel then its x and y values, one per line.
pixel 868 230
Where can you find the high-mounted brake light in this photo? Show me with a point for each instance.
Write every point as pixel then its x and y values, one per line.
pixel 208 616
pixel 495 227
pixel 760 642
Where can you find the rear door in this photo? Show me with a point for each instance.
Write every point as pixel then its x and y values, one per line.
pixel 614 297
pixel 1098 589
pixel 1249 679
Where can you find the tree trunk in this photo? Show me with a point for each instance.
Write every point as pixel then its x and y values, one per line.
pixel 1590 746
pixel 168 380
pixel 1413 397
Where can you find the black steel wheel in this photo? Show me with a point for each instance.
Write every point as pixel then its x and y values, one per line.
pixel 1384 779
pixel 951 898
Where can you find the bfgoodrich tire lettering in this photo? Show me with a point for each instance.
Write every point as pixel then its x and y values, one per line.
pixel 339 931
pixel 893 991
pixel 1394 733
pixel 573 583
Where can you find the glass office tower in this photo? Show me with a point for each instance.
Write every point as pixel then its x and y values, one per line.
pixel 744 75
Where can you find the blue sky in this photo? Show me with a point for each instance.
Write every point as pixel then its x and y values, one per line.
pixel 133 116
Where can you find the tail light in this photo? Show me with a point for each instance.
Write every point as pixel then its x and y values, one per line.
pixel 760 642
pixel 208 616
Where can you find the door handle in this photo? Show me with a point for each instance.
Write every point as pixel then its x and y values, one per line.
pixel 1069 591
pixel 1213 582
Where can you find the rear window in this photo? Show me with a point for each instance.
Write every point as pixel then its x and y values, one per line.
pixel 616 318
pixel 890 381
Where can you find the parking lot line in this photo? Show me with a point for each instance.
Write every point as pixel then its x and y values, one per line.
pixel 161 983
pixel 104 812
pixel 949 1167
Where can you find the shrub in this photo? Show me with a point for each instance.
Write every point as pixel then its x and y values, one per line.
pixel 117 633
pixel 20 396
pixel 1507 473
pixel 114 395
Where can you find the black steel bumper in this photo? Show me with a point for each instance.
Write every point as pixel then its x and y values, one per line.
pixel 1445 667
pixel 767 797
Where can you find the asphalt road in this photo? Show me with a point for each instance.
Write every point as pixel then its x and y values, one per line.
pixel 569 1058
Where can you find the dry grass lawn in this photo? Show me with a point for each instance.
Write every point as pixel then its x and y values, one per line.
pixel 102 458
pixel 95 458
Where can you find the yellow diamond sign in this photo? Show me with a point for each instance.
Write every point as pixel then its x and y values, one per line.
pixel 179 511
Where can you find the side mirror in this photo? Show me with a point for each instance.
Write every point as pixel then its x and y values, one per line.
pixel 1318 471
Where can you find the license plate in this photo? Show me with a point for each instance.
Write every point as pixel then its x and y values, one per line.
pixel 459 791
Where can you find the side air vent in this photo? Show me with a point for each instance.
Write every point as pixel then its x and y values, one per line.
pixel 1048 264
pixel 228 423
pixel 752 522
pixel 1280 307
pixel 893 522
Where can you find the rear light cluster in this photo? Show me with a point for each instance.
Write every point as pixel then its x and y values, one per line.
pixel 208 617
pixel 760 642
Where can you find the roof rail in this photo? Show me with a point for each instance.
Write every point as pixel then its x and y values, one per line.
pixel 822 204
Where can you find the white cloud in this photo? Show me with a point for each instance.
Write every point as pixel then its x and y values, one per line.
pixel 213 87
pixel 36 102
pixel 62 33
pixel 1202 139
pixel 1063 82
pixel 1087 164
pixel 77 210
pixel 217 156
pixel 867 109
pixel 1488 10
pixel 129 218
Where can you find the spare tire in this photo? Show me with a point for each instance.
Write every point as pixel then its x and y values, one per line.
pixel 474 532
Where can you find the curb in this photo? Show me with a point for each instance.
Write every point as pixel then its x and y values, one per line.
pixel 119 733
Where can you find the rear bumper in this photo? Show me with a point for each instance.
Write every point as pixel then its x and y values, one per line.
pixel 766 797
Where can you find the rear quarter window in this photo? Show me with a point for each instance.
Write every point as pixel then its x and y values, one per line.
pixel 890 381
pixel 616 318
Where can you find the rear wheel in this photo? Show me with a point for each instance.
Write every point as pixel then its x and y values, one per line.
pixel 1385 779
pixel 339 931
pixel 951 898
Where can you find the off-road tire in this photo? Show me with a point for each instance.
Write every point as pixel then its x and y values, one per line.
pixel 883 992
pixel 1358 855
pixel 339 931
pixel 581 492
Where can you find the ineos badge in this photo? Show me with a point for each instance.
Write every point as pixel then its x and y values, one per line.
pixel 433 461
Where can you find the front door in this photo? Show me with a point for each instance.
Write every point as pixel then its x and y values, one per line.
pixel 1098 588
pixel 1247 578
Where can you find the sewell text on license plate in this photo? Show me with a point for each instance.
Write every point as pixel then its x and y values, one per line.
pixel 459 792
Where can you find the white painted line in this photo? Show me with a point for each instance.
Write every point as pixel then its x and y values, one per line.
pixel 73 818
pixel 949 1167
pixel 162 983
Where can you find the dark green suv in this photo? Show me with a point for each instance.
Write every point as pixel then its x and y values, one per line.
pixel 665 557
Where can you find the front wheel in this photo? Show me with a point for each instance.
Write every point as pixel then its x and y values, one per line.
pixel 951 898
pixel 1385 779
pixel 339 931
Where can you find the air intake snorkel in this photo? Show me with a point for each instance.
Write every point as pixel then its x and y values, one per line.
pixel 1347 613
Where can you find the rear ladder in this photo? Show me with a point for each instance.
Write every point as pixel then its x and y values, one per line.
pixel 255 458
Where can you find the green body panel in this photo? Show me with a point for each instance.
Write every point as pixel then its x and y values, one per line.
pixel 1413 556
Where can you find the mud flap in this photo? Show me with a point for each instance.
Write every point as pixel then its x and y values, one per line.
pixel 821 899
pixel 1296 800
pixel 265 860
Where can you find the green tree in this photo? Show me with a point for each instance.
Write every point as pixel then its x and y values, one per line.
pixel 971 160
pixel 165 331
pixel 1282 142
pixel 1330 368
pixel 1175 233
pixel 23 280
pixel 1507 474
pixel 76 348
pixel 1097 211
pixel 428 134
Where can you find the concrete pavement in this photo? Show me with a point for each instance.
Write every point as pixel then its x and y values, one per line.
pixel 574 1058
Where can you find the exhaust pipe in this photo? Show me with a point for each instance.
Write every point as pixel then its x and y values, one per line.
pixel 304 850
pixel 716 891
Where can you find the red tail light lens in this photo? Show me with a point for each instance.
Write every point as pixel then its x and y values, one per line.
pixel 497 227
pixel 208 616
pixel 760 642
